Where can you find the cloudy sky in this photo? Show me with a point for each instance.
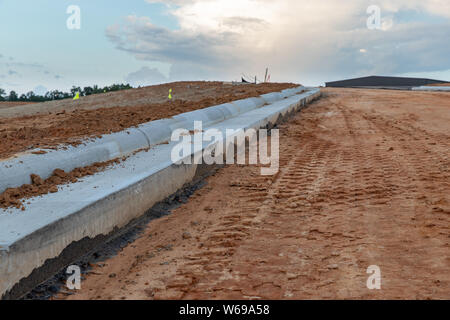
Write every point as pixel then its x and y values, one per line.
pixel 148 41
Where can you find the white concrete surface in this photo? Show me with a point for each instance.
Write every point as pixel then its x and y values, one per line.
pixel 430 88
pixel 16 172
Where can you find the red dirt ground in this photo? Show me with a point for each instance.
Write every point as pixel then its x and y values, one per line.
pixel 364 180
pixel 7 104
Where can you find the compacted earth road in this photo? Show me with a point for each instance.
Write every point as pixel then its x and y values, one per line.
pixel 364 180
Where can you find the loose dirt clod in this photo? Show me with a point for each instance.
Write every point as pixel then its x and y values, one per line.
pixel 13 197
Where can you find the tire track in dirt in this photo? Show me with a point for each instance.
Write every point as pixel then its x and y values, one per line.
pixel 382 201
pixel 353 190
pixel 428 172
pixel 255 200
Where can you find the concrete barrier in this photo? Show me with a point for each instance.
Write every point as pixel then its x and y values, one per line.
pixel 427 88
pixel 38 242
pixel 16 172
pixel 272 97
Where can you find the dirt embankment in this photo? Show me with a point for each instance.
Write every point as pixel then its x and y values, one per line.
pixel 364 180
pixel 15 197
pixel 70 125
pixel 8 104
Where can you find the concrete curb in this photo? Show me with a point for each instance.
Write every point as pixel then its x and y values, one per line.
pixel 36 242
pixel 16 172
pixel 426 88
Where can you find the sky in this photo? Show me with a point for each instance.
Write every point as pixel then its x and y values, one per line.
pixel 144 42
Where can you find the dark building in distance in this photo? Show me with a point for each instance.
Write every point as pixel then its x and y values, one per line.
pixel 377 82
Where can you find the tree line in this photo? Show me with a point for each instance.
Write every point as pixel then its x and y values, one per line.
pixel 59 95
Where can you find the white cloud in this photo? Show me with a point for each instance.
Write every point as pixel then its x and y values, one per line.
pixel 298 40
pixel 436 7
pixel 145 76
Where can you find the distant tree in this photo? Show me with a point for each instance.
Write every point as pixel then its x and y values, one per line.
pixel 58 95
pixel 55 95
pixel 30 96
pixel 48 96
pixel 74 91
pixel 88 91
pixel 117 87
pixel 13 96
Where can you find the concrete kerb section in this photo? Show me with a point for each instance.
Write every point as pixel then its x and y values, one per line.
pixel 426 88
pixel 33 243
pixel 17 171
pixel 157 131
